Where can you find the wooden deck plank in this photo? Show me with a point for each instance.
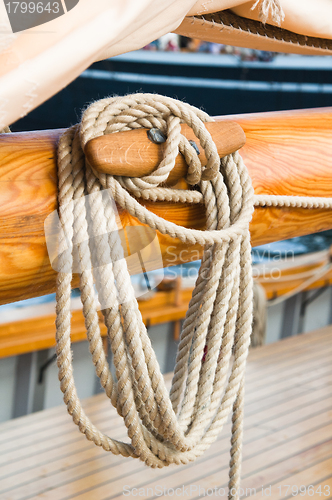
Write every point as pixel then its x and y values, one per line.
pixel 74 449
pixel 326 488
pixel 288 432
pixel 105 404
pixel 251 435
pixel 279 473
pixel 302 364
pixel 15 459
pixel 73 457
pixel 291 343
pixel 280 350
pixel 307 476
pixel 272 387
pixel 96 486
pixel 218 476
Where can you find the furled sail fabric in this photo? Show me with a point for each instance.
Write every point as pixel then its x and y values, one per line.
pixel 293 26
pixel 304 17
pixel 44 44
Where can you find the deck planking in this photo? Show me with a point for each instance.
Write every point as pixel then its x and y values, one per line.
pixel 288 438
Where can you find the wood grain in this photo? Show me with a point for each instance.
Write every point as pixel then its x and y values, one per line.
pixel 133 154
pixel 288 434
pixel 286 153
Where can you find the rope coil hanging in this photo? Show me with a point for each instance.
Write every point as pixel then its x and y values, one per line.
pixel 208 380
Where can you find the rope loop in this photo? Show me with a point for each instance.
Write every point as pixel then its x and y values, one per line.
pixel 208 382
pixel 149 110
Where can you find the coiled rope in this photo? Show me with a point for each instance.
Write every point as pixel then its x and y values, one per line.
pixel 208 381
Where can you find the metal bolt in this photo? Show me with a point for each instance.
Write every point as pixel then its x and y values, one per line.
pixel 156 135
pixel 196 148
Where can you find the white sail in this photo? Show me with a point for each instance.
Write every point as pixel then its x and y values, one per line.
pixel 44 45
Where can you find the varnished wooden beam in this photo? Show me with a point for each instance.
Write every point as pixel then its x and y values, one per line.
pixel 286 153
pixel 134 154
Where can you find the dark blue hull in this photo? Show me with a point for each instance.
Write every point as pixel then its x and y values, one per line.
pixel 220 84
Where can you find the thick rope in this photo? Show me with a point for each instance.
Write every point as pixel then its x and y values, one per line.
pixel 208 381
pixel 259 314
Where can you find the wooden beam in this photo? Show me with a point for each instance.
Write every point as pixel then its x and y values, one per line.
pixel 133 154
pixel 286 153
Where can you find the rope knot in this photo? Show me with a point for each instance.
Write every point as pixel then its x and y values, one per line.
pixel 166 115
pixel 194 174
